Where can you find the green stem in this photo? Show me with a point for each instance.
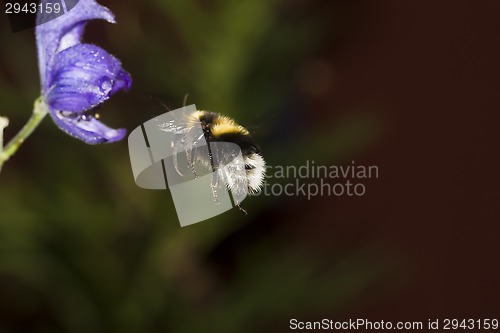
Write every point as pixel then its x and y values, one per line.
pixel 40 110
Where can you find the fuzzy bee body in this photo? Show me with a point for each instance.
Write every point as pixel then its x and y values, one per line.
pixel 218 130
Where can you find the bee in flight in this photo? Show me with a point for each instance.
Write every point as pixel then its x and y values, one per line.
pixel 223 135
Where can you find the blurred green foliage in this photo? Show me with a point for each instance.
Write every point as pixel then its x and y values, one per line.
pixel 82 249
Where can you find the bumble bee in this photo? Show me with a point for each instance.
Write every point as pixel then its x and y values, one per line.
pixel 222 134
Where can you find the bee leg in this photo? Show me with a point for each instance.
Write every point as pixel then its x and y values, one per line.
pixel 242 209
pixel 214 185
pixel 191 162
pixel 175 161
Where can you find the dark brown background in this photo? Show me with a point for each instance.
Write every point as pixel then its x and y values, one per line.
pixel 411 87
pixel 434 69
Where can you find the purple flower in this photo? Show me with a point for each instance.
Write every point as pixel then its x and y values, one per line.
pixel 77 77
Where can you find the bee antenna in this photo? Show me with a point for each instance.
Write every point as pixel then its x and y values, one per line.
pixel 185 99
pixel 161 102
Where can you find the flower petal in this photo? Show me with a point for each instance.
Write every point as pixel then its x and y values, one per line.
pixel 88 129
pixel 55 35
pixel 84 76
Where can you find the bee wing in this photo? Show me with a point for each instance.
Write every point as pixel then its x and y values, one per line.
pixel 185 141
pixel 175 126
